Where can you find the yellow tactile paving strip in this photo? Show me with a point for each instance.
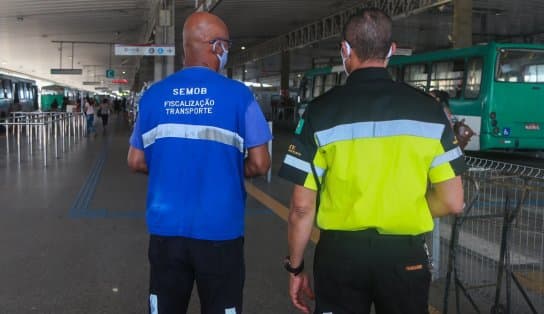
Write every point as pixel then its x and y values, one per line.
pixel 283 212
pixel 532 280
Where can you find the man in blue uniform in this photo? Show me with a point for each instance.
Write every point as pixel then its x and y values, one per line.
pixel 191 136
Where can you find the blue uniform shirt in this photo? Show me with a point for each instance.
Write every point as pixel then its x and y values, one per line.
pixel 194 127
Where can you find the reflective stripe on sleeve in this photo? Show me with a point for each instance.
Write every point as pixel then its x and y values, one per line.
pixel 302 165
pixel 197 132
pixel 379 129
pixel 447 157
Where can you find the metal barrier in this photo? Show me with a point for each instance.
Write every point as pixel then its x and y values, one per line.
pixel 493 254
pixel 43 131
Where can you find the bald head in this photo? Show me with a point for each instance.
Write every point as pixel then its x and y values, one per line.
pixel 199 29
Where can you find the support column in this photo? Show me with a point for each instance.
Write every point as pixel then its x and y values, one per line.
pixel 244 73
pixel 285 70
pixel 462 23
pixel 165 35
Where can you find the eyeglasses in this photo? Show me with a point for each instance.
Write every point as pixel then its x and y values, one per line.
pixel 215 40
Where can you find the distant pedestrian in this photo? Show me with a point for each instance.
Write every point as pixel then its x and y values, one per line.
pixel 104 113
pixel 89 114
pixel 463 132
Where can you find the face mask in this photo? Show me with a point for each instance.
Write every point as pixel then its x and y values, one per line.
pixel 223 58
pixel 348 51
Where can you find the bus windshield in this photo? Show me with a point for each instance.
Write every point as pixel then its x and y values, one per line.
pixel 520 66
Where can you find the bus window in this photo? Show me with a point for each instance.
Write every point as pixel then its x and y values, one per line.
pixel 308 86
pixel 474 78
pixel 330 81
pixel 343 78
pixel 21 91
pixel 2 90
pixel 448 76
pixel 534 73
pixel 318 86
pixel 393 71
pixel 7 88
pixel 416 75
pixel 524 66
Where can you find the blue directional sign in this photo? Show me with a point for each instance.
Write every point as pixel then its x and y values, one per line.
pixel 110 73
pixel 144 50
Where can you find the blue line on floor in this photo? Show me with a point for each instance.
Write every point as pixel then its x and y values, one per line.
pixel 86 193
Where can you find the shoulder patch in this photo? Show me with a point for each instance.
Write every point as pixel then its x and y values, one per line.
pixel 299 126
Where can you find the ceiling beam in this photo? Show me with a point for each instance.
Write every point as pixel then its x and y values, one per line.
pixel 330 27
pixel 206 5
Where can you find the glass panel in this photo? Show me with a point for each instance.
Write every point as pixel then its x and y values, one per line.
pixel 393 71
pixel 416 75
pixel 308 89
pixel 448 76
pixel 522 66
pixel 8 88
pixel 474 78
pixel 318 86
pixel 2 90
pixel 330 81
pixel 343 78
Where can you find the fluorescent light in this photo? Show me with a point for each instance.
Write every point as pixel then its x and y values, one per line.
pixel 255 84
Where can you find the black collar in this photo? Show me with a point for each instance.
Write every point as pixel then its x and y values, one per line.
pixel 368 74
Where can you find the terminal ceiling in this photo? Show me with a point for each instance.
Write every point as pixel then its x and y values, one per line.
pixel 30 31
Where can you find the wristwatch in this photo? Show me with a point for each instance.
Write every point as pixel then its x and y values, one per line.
pixel 293 270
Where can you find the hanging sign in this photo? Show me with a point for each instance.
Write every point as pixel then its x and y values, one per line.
pixel 67 71
pixel 136 50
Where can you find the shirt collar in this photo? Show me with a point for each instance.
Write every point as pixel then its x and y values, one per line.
pixel 368 74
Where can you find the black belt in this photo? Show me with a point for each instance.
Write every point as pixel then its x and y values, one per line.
pixel 372 235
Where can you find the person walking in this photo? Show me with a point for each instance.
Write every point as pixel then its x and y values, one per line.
pixel 89 114
pixel 191 134
pixel 380 160
pixel 104 113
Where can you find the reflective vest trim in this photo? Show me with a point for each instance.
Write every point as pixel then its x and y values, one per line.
pixel 447 157
pixel 374 129
pixel 197 132
pixel 302 165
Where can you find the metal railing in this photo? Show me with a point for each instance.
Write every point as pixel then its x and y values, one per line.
pixel 42 132
pixel 492 256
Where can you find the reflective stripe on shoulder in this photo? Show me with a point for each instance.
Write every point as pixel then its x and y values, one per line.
pixel 302 165
pixel 448 156
pixel 197 132
pixel 374 129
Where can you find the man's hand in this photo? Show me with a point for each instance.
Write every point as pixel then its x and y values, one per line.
pixel 300 290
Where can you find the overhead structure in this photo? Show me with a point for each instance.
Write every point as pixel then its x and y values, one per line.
pixel 331 27
pixel 206 5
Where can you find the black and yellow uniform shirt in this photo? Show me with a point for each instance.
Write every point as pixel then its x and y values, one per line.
pixel 375 145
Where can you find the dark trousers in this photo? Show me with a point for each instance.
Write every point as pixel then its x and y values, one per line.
pixel 177 262
pixel 353 270
pixel 104 119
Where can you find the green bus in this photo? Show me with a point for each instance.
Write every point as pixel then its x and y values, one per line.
pixel 56 97
pixel 497 88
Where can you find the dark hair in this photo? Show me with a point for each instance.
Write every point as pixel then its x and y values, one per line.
pixel 369 33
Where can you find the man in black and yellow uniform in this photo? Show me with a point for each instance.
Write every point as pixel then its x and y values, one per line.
pixel 383 160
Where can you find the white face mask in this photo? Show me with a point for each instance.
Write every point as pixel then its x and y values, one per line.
pixel 390 53
pixel 223 58
pixel 344 58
